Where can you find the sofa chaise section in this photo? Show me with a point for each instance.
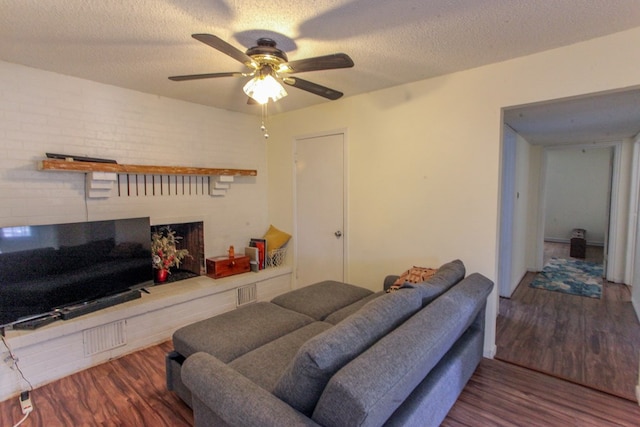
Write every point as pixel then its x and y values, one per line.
pixel 231 335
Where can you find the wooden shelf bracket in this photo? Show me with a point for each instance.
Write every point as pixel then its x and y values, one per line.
pixel 148 180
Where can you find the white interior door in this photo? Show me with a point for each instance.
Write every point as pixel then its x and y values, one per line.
pixel 320 207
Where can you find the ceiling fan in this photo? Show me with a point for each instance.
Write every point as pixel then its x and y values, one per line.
pixel 268 66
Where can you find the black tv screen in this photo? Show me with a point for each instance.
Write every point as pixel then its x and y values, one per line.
pixel 44 268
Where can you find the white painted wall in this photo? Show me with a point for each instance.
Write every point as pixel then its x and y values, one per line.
pixel 633 272
pixel 523 212
pixel 620 232
pixel 506 202
pixel 424 157
pixel 515 195
pixel 535 202
pixel 577 193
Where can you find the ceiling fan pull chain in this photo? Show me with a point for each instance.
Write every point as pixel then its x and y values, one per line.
pixel 263 128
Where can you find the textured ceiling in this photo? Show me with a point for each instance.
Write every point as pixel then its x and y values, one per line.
pixel 595 118
pixel 138 44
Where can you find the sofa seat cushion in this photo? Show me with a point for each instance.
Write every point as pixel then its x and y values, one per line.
pixel 321 299
pixel 265 364
pixel 234 333
pixel 322 356
pixel 344 312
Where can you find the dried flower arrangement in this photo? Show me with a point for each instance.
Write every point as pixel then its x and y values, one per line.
pixel 164 251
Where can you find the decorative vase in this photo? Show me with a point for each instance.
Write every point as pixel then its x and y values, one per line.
pixel 161 275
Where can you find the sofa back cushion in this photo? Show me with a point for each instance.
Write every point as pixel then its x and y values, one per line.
pixel 318 359
pixel 370 388
pixel 447 275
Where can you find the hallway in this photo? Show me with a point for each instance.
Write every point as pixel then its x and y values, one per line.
pixel 593 342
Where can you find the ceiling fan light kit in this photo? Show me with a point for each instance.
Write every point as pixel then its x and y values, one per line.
pixel 267 62
pixel 264 87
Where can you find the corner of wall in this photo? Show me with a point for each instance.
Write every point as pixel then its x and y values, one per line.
pixel 490 352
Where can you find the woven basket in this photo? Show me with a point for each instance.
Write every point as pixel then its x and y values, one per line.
pixel 276 257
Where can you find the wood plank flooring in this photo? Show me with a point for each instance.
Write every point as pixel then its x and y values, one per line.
pixel 131 391
pixel 595 342
pixel 501 394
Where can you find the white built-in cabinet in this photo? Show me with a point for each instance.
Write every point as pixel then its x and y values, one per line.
pixel 65 347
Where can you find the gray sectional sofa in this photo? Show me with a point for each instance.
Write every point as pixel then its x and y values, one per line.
pixel 334 354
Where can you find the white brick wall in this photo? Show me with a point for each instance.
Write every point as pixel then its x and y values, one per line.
pixel 45 112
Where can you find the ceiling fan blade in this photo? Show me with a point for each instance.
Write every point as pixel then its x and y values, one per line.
pixel 224 47
pixel 205 76
pixel 314 88
pixel 327 62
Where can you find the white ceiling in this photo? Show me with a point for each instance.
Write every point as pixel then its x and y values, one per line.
pixel 589 119
pixel 138 44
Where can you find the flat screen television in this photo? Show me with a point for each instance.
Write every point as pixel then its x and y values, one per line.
pixel 44 269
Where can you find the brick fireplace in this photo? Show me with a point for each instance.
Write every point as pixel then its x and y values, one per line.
pixel 191 238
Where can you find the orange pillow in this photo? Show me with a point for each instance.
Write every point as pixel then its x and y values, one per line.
pixel 413 275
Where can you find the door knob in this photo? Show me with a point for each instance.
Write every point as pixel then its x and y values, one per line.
pixel 338 234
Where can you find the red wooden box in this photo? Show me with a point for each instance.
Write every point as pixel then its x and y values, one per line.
pixel 223 266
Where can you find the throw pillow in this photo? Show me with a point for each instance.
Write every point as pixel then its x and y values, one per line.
pixel 413 275
pixel 275 238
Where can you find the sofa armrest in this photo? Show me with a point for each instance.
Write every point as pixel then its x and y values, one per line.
pixel 389 280
pixel 233 398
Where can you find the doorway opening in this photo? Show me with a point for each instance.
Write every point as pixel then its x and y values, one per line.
pixel 549 335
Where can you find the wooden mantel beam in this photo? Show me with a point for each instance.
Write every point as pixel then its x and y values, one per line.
pixel 76 166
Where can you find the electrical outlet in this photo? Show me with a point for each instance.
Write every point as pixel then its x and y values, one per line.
pixel 25 402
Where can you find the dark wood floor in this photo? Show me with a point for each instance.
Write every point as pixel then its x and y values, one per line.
pixel 131 391
pixel 501 394
pixel 595 342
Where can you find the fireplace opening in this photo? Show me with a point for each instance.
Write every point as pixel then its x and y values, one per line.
pixel 191 238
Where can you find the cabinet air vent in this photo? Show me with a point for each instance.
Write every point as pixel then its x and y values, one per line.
pixel 246 294
pixel 104 337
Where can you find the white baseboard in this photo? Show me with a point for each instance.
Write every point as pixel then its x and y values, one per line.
pixel 490 353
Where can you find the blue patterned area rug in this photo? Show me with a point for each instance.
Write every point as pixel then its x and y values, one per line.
pixel 570 276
